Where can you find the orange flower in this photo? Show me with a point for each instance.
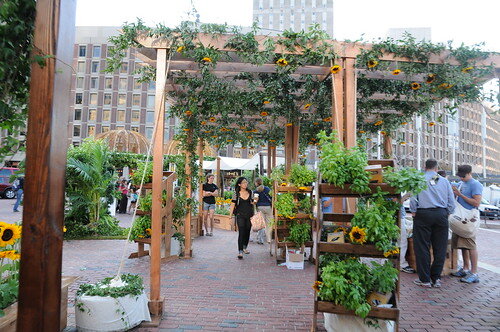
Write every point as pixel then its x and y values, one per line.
pixel 272 140
pixel 372 63
pixel 402 143
pixel 368 139
pixel 216 145
pixel 203 122
pixel 212 119
pixel 431 124
pixel 430 78
pixel 266 102
pixel 315 123
pixel 282 62
pixel 335 69
pixel 180 49
pixel 229 140
pixel 306 106
pixel 362 131
pixel 185 129
pixel 404 123
pixel 289 124
pixel 415 86
pixel 264 113
pixel 383 133
pixel 378 123
pixel 396 72
pixel 243 147
pixel 249 137
pixel 188 113
pixel 317 286
pixel 206 59
pixel 328 119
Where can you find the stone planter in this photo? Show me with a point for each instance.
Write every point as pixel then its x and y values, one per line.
pixel 8 322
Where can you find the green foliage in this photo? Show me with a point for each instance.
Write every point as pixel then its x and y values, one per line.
pixel 222 210
pixel 266 181
pixel 139 172
pixel 305 205
pixel 405 180
pixel 146 202
pixel 228 194
pixel 301 176
pixel 121 159
pixel 278 174
pixel 139 228
pixel 133 287
pixel 384 277
pixel 285 205
pixel 339 165
pixel 300 233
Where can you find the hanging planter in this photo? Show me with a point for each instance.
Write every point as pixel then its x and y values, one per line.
pixel 111 304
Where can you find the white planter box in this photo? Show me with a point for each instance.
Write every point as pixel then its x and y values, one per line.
pixel 294 259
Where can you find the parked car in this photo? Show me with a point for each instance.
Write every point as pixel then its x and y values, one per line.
pixel 488 211
pixel 6 189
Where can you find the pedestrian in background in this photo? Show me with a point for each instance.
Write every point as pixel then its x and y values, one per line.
pixel 469 193
pixel 264 205
pixel 19 188
pixel 242 207
pixel 430 210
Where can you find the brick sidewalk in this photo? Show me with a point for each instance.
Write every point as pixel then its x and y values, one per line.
pixel 215 291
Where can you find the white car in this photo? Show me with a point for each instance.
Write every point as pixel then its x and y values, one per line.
pixel 488 211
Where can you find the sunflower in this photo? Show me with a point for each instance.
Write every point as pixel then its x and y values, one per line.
pixel 396 72
pixel 206 59
pixel 378 123
pixel 188 113
pixel 180 49
pixel 467 69
pixel 431 124
pixel 10 254
pixel 9 234
pixel 212 119
pixel 357 235
pixel 282 62
pixel 289 124
pixel 266 102
pixel 249 137
pixel 327 119
pixel 415 86
pixel 430 78
pixel 341 229
pixel 335 69
pixel 306 106
pixel 264 113
pixel 372 63
pixel 148 231
pixel 317 286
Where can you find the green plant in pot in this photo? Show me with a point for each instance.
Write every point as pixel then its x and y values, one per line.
pixel 285 205
pixel 304 205
pixel 405 180
pixel 384 277
pixel 300 233
pixel 301 176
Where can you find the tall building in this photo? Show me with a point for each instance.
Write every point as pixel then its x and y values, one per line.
pixel 417 33
pixel 102 101
pixel 296 15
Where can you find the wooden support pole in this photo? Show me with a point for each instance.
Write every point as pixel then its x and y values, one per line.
pixel 218 175
pixel 42 236
pixel 291 146
pixel 269 160
pixel 388 153
pixel 273 158
pixel 199 227
pixel 349 102
pixel 156 305
pixel 187 221
pixel 337 117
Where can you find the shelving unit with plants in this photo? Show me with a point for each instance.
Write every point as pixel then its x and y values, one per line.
pixel 348 279
pixel 294 223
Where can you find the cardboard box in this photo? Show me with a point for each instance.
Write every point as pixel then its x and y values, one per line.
pixel 336 237
pixel 375 173
pixel 294 259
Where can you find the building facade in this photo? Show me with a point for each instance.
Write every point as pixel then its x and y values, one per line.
pixel 295 15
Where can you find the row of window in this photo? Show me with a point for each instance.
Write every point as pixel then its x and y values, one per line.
pixel 91 130
pixel 314 19
pixel 122 99
pixel 96 51
pixel 95 67
pixel 292 3
pixel 108 83
pixel 106 115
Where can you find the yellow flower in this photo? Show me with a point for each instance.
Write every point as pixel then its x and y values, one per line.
pixel 368 139
pixel 315 123
pixel 467 69
pixel 203 122
pixel 415 86
pixel 186 129
pixel 249 137
pixel 432 124
pixel 180 49
pixel 212 119
pixel 148 231
pixel 266 102
pixel 317 286
pixel 461 95
pixel 396 72
pixel 357 235
pixel 9 233
pixel 272 140
pixel 306 106
pixel 378 123
pixel 362 131
pixel 387 254
pixel 10 254
pixel 282 62
pixel 289 124
pixel 404 123
pixel 216 145
pixel 283 184
pixel 206 59
pixel 64 229
pixel 229 140
pixel 264 113
pixel 335 69
pixel 383 133
pixel 430 78
pixel 188 113
pixel 445 86
pixel 372 63
pixel 341 229
pixel 402 143
pixel 327 119
pixel 302 188
pixel 243 147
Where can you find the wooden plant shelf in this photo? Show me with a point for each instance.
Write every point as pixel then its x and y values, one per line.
pixel 293 189
pixel 142 213
pixel 298 216
pixel 365 250
pixel 283 244
pixel 375 312
pixel 326 189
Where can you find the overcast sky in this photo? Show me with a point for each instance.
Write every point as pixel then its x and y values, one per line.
pixel 464 21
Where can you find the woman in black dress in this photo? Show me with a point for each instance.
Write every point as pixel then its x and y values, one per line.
pixel 242 208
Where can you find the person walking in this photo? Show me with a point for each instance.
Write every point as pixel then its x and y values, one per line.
pixel 123 188
pixel 133 199
pixel 264 205
pixel 404 266
pixel 469 194
pixel 430 210
pixel 210 190
pixel 19 187
pixel 242 206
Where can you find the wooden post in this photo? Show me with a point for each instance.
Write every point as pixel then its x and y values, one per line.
pixel 42 236
pixel 291 146
pixel 338 101
pixel 388 153
pixel 350 102
pixel 187 221
pixel 156 305
pixel 269 159
pixel 200 188
pixel 273 159
pixel 218 175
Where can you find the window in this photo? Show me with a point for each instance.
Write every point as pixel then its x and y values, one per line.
pixel 303 21
pixel 104 129
pixel 282 3
pixel 150 116
pixel 137 84
pixel 94 82
pixel 124 68
pixel 79 98
pixel 292 20
pixel 151 102
pixel 271 22
pixel 136 129
pixel 107 99
pixel 81 67
pixel 96 52
pixel 136 100
pixel 94 67
pixel 281 22
pixel 82 51
pixel 122 99
pixel 79 82
pixel 120 128
pixel 313 18
pixel 108 83
pixel 120 116
pixel 271 4
pixel 152 85
pixel 303 3
pixel 92 114
pixel 106 115
pixel 78 114
pixel 93 99
pixel 313 3
pixel 237 151
pixel 260 19
pixel 76 130
pixel 324 3
pixel 292 3
pixel 136 116
pixel 91 131
pixel 261 4
pixel 122 85
pixel 149 133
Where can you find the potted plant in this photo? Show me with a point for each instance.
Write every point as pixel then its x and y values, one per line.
pixel 301 176
pixel 384 278
pixel 221 216
pixel 113 304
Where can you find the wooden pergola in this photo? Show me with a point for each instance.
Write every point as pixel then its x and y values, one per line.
pixel 41 263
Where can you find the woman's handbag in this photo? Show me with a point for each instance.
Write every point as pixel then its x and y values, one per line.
pixel 258 222
pixel 464 222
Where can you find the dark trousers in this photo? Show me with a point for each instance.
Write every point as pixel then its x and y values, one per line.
pixel 244 228
pixel 430 227
pixel 122 207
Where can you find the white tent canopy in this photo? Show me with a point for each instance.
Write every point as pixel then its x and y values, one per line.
pixel 227 163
